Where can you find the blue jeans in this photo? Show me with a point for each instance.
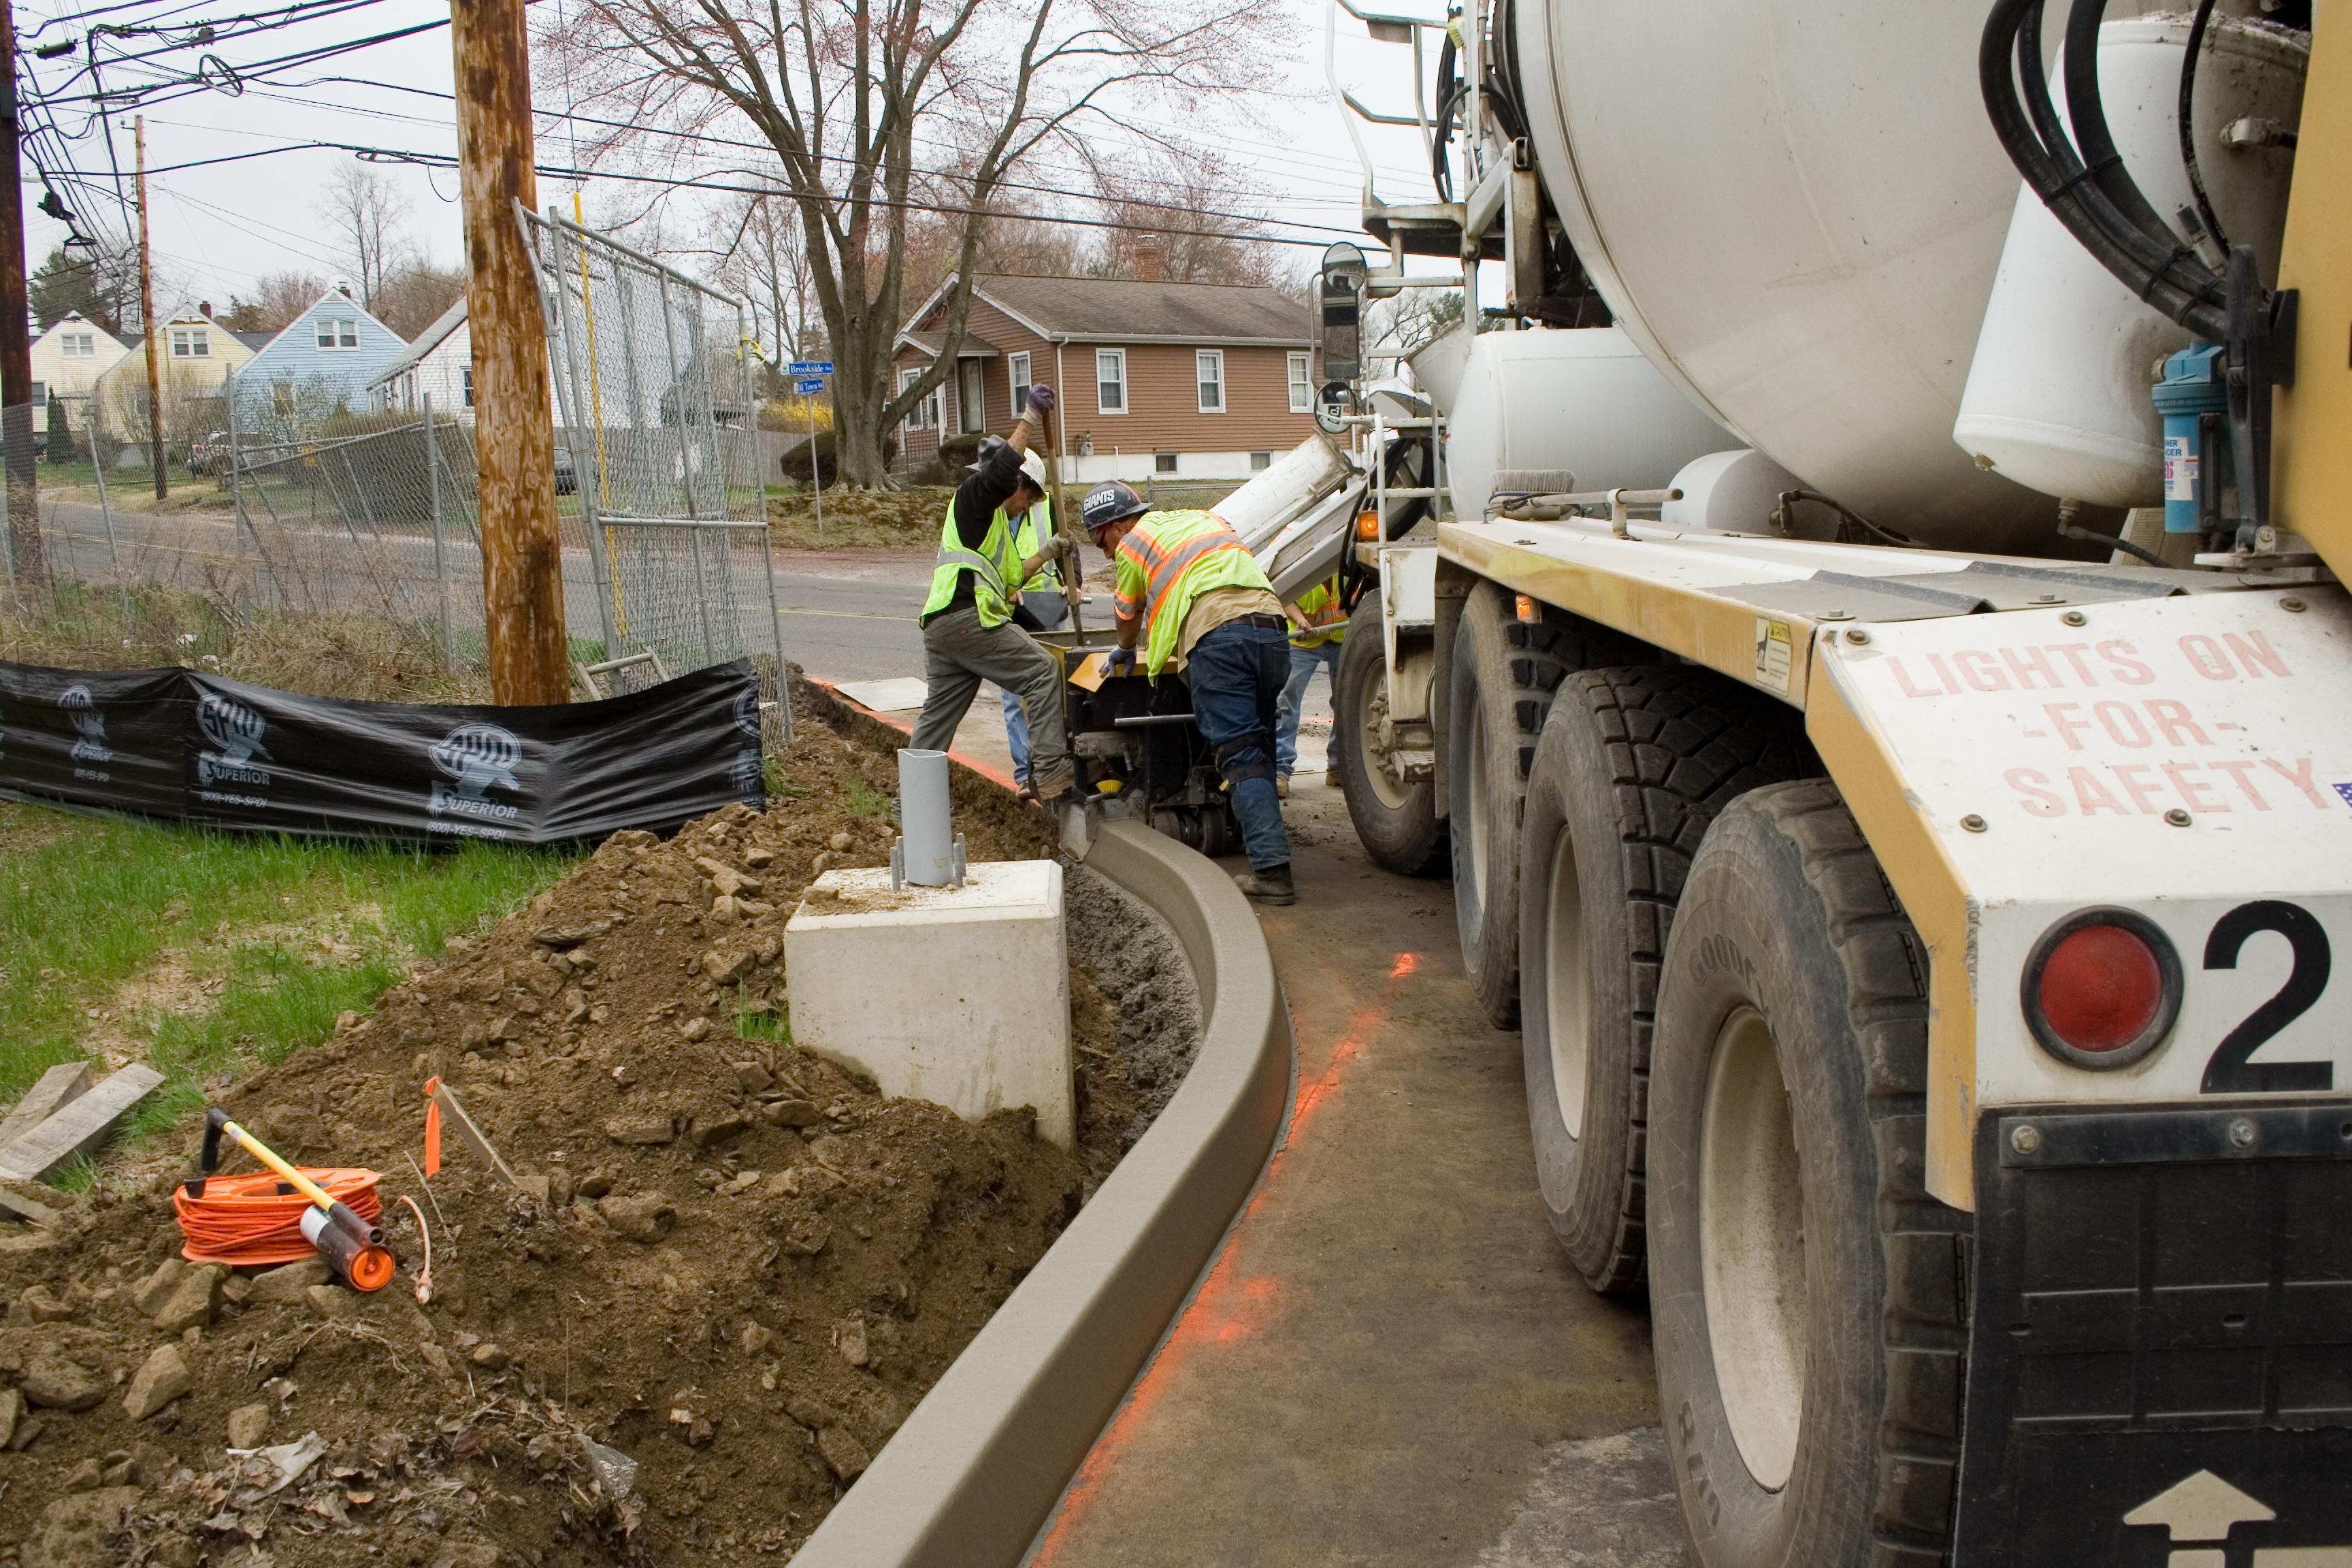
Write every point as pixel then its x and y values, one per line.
pixel 1016 736
pixel 1237 674
pixel 1304 663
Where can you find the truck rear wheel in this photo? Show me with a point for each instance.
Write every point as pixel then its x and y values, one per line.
pixel 1396 821
pixel 1505 672
pixel 1633 766
pixel 1805 1290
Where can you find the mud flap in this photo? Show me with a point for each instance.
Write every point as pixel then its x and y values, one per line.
pixel 2160 1355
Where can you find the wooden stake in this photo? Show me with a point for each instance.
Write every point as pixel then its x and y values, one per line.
pixel 29 560
pixel 147 318
pixel 522 556
pixel 1074 589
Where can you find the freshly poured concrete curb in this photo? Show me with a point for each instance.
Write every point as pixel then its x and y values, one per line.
pixel 973 1472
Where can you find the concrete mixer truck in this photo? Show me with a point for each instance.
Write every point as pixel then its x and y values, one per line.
pixel 1854 609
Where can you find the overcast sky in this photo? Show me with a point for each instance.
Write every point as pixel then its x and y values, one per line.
pixel 217 229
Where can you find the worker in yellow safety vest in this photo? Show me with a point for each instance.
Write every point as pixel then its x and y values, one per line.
pixel 969 631
pixel 1038 605
pixel 1193 596
pixel 1318 624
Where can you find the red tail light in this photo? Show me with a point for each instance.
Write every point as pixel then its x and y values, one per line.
pixel 2102 988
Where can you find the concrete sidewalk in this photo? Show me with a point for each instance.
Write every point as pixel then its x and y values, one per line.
pixel 1390 1363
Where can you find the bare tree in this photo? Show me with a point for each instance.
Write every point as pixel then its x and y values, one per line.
pixel 1188 220
pixel 874 108
pixel 368 212
pixel 277 298
pixel 762 259
pixel 412 296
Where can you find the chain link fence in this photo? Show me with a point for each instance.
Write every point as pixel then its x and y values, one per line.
pixel 655 389
pixel 283 502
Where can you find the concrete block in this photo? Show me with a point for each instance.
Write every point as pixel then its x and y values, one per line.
pixel 957 995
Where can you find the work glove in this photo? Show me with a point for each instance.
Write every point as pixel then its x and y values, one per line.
pixel 1041 399
pixel 1120 661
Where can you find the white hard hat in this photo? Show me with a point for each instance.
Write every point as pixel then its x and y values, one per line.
pixel 1032 467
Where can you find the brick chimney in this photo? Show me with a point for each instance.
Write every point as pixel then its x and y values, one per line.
pixel 204 309
pixel 1151 257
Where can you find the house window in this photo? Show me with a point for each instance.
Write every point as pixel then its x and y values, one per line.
pixel 1110 381
pixel 78 345
pixel 924 416
pixel 1302 390
pixel 971 398
pixel 1017 366
pixel 192 343
pixel 467 372
pixel 1210 372
pixel 1261 461
pixel 338 332
pixel 1163 462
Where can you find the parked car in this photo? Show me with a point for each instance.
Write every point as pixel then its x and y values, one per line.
pixel 209 453
pixel 567 479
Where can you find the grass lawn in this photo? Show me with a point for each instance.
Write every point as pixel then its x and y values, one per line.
pixel 207 954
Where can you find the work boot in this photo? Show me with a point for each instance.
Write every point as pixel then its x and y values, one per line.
pixel 1052 786
pixel 1271 885
pixel 1282 786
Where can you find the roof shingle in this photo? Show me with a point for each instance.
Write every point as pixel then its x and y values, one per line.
pixel 1112 308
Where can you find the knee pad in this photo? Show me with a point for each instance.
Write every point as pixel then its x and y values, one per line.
pixel 1237 772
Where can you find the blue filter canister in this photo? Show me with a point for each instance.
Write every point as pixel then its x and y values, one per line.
pixel 2193 385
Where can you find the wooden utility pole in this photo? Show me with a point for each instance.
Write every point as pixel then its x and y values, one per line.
pixel 147 320
pixel 514 433
pixel 27 559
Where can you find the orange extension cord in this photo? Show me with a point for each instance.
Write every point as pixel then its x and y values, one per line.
pixel 251 1220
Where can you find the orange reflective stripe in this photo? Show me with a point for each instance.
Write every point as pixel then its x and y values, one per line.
pixel 1166 575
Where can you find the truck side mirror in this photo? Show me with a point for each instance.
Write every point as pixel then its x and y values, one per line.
pixel 1341 297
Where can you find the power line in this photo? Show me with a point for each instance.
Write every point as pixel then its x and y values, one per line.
pixel 445 161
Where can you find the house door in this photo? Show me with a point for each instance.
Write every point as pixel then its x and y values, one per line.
pixel 971 398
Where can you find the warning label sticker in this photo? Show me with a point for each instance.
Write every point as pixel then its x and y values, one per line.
pixel 1772 655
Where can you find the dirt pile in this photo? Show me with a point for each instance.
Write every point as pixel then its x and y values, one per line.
pixel 728 1272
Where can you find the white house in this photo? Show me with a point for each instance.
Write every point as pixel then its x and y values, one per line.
pixel 440 363
pixel 68 360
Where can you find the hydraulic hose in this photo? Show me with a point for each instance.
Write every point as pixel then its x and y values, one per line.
pixel 2205 212
pixel 1441 172
pixel 2166 273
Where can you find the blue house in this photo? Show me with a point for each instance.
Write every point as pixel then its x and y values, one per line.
pixel 318 366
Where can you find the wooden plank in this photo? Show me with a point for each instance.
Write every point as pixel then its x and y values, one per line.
pixel 62 1084
pixel 25 1206
pixel 80 1127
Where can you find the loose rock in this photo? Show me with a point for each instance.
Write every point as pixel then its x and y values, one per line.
pixel 163 1377
pixel 286 1283
pixel 248 1425
pixel 53 1382
pixel 843 1454
pixel 192 1300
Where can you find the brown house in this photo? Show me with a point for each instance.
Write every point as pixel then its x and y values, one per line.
pixel 1207 381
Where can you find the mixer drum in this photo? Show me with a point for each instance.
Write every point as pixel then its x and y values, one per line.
pixel 1796 210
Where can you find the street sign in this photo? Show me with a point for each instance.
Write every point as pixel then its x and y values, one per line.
pixel 812 384
pixel 809 367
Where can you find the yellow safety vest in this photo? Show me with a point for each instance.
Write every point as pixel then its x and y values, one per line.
pixel 993 566
pixel 1168 560
pixel 1320 605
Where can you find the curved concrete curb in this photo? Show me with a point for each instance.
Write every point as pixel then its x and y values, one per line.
pixel 973 1472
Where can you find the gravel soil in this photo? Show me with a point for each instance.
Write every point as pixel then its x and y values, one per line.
pixel 726 1273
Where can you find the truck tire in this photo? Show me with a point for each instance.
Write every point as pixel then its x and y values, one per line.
pixel 1806 1297
pixel 1396 822
pixel 1500 688
pixel 1633 766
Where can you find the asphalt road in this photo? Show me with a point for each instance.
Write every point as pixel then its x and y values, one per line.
pixel 846 615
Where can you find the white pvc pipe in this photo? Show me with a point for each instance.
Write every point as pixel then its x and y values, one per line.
pixel 923 821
